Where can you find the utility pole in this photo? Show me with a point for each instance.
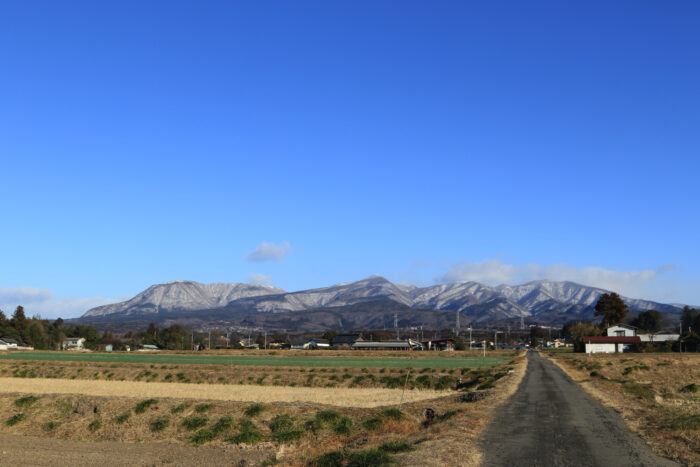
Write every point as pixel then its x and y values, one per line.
pixel 396 325
pixel 457 328
pixel 483 343
pixel 265 340
pixel 210 339
pixel 495 339
pixel 470 337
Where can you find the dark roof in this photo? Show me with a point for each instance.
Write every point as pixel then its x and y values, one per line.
pixel 346 338
pixel 319 341
pixel 7 340
pixel 611 339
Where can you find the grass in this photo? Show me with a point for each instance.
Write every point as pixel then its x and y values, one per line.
pixel 328 416
pixel 26 401
pixel 15 419
pixel 178 408
pixel 222 425
pixel 690 388
pixel 284 429
pixel 142 406
pixel 343 426
pixel 265 360
pixel 203 436
pixel 370 458
pixel 193 423
pixel 392 413
pixel 202 408
pixel 396 446
pixel 248 433
pixel 254 409
pixel 329 459
pixel 49 426
pixel 122 418
pixel 372 424
pixel 159 424
pixel 95 425
pixel 684 422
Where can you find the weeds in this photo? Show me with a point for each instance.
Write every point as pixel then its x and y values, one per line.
pixel 15 419
pixel 392 413
pixel 248 433
pixel 343 426
pixel 26 401
pixel 691 388
pixel 122 418
pixel 284 429
pixel 95 425
pixel 178 408
pixel 372 457
pixel 255 409
pixel 396 446
pixel 202 436
pixel 142 406
pixel 159 424
pixel 49 426
pixel 202 408
pixel 193 423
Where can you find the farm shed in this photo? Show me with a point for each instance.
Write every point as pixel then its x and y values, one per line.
pixel 610 344
pixel 345 341
pixel 386 345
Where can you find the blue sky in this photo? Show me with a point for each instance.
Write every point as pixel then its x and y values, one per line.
pixel 308 143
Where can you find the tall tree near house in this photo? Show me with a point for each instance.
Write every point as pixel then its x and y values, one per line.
pixel 690 320
pixel 3 318
pixel 611 307
pixel 19 320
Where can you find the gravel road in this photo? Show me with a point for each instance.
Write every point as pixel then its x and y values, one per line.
pixel 551 421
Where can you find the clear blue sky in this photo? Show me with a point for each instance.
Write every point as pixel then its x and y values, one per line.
pixel 142 142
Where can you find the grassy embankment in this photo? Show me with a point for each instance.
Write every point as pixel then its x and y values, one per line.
pixel 658 395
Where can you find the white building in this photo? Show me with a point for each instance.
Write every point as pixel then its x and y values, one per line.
pixel 610 344
pixel 621 330
pixel 73 343
pixel 8 344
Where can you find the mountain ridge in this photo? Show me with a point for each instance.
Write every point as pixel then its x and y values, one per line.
pixel 543 302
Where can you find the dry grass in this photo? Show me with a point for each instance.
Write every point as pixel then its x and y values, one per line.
pixel 345 397
pixel 646 390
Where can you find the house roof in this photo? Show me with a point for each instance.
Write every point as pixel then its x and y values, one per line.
pixel 346 338
pixel 8 340
pixel 611 339
pixel 622 325
pixel 319 341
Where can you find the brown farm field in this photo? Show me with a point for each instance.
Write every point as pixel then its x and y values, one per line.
pixel 300 413
pixel 658 395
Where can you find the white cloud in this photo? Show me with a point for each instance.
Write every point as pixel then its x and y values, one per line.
pixel 637 284
pixel 44 302
pixel 268 252
pixel 259 279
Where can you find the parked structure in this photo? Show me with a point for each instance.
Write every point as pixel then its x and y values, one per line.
pixel 346 341
pixel 73 343
pixel 610 344
pixel 8 344
pixel 310 344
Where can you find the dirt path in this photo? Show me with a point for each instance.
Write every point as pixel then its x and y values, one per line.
pixel 551 421
pixel 34 451
pixel 345 397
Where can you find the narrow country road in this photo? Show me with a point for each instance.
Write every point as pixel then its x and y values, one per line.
pixel 551 421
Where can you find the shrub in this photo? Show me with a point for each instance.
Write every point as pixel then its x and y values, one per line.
pixel 159 424
pixel 371 458
pixel 328 416
pixel 26 401
pixel 254 409
pixel 640 390
pixel 145 404
pixel 424 381
pixel 50 426
pixel 692 387
pixel 396 446
pixel 684 422
pixel 443 382
pixel 202 408
pixel 178 408
pixel 393 413
pixel 447 415
pixel 283 428
pixel 222 425
pixel 15 419
pixel 202 436
pixel 248 433
pixel 95 425
pixel 343 426
pixel 122 418
pixel 193 423
pixel 372 424
pixel 329 459
pixel 486 385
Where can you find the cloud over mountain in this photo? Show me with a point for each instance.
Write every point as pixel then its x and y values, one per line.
pixel 268 252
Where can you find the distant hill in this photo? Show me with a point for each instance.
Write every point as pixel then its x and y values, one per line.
pixel 366 304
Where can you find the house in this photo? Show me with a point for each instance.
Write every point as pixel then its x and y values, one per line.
pixel 664 336
pixel 624 330
pixel 105 347
pixel 73 343
pixel 149 348
pixel 408 344
pixel 610 344
pixel 310 344
pixel 8 344
pixel 345 341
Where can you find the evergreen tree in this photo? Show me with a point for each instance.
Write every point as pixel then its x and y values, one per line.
pixel 611 308
pixel 19 320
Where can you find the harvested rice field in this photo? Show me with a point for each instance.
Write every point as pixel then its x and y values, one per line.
pixel 345 397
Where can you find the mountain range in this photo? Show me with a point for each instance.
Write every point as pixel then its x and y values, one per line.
pixel 366 304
